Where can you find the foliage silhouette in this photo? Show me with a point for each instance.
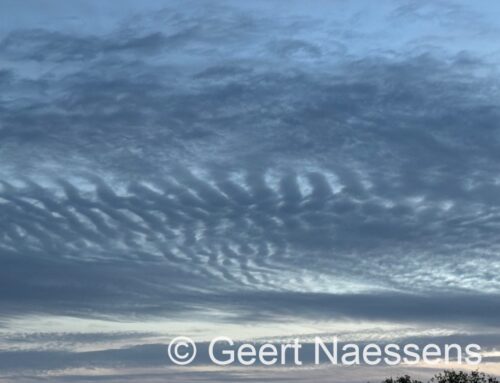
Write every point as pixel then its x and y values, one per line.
pixel 448 376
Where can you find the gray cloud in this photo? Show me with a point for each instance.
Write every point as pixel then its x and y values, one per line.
pixel 198 241
pixel 255 161
pixel 154 355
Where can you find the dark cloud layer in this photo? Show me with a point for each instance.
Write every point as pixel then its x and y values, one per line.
pixel 253 162
pixel 66 251
pixel 154 355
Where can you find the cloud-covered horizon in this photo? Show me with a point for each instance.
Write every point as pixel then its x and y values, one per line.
pixel 257 166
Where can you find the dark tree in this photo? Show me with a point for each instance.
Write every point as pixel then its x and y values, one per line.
pixel 401 379
pixel 449 376
pixel 463 377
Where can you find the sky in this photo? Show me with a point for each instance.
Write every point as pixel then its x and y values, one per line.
pixel 259 170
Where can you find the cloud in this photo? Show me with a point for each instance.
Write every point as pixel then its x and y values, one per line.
pixel 252 162
pixel 205 243
pixel 154 356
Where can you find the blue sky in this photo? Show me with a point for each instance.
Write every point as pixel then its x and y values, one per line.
pixel 261 170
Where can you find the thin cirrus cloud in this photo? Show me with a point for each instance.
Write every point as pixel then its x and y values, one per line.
pixel 254 163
